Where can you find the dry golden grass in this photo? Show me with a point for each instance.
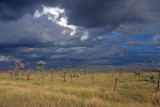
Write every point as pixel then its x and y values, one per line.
pixel 78 93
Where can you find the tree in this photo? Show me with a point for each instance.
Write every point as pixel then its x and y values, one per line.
pixel 18 67
pixel 41 64
pixel 156 68
pixel 28 72
pixel 52 71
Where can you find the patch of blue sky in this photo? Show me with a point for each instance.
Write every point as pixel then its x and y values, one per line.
pixel 139 38
pixel 142 48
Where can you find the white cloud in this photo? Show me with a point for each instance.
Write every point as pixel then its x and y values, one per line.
pixel 56 56
pixel 55 11
pixel 37 14
pixel 63 22
pixel 33 55
pixel 84 36
pixel 54 15
pixel 5 59
pixel 154 41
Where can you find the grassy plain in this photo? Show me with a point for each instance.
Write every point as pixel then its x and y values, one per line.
pixel 130 91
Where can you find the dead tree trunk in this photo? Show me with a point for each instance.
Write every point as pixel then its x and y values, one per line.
pixel 64 77
pixel 115 84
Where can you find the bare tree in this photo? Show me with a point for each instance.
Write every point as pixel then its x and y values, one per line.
pixel 123 57
pixel 41 64
pixel 18 68
pixel 28 73
pixel 138 70
pixel 52 71
pixel 156 68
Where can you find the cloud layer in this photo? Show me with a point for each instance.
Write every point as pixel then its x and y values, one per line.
pixel 86 31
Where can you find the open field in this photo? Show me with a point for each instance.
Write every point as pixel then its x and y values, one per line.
pixel 81 92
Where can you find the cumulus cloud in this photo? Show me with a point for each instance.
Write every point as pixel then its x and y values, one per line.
pixel 5 59
pixel 84 36
pixel 54 15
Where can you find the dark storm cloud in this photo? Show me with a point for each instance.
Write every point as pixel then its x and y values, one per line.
pixel 124 17
pixel 88 13
pixel 15 9
pixel 99 13
pixel 24 36
pixel 103 15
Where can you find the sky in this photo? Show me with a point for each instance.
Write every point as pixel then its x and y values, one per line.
pixel 87 32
